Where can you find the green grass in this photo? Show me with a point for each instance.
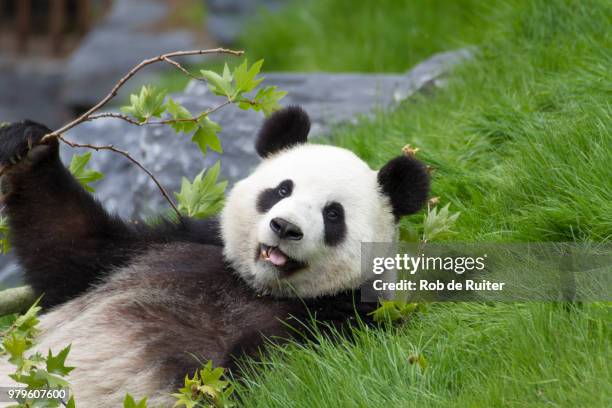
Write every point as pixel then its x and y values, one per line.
pixel 510 355
pixel 521 142
pixel 520 138
pixel 383 35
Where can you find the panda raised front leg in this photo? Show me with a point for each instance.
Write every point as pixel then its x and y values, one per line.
pixel 63 238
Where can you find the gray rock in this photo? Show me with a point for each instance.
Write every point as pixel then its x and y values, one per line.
pixel 114 46
pixel 328 98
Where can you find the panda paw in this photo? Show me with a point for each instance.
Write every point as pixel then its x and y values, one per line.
pixel 20 144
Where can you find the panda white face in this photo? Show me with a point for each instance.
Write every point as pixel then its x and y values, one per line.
pixel 295 226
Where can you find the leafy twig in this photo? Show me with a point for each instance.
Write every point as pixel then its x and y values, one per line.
pixel 158 122
pixel 90 114
pixel 164 57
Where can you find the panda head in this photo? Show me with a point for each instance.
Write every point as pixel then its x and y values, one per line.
pixel 294 227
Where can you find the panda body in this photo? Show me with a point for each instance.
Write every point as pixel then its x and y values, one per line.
pixel 166 312
pixel 142 306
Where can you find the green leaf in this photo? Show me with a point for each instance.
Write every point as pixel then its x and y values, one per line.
pixel 206 136
pixel 439 223
pixel 7 321
pixel 212 384
pixel 39 378
pixel 204 197
pixel 4 235
pixel 246 104
pixel 71 403
pixel 15 345
pixel 148 103
pixel 24 327
pixel 57 364
pixel 219 85
pixel 394 310
pixel 178 112
pixel 52 380
pixel 129 402
pixel 82 174
pixel 28 321
pixel 244 77
pixel 18 338
pixel 206 388
pixel 30 379
pixel 188 395
pixel 267 100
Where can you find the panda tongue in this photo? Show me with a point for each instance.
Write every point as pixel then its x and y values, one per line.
pixel 277 257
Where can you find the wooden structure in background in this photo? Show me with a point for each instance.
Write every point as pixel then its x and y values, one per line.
pixel 51 21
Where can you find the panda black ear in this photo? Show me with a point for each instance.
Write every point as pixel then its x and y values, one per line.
pixel 284 128
pixel 406 182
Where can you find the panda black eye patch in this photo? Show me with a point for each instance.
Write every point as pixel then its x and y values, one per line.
pixel 334 224
pixel 269 197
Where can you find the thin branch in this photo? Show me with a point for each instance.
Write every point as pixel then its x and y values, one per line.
pixel 181 68
pixel 164 57
pixel 159 122
pixel 113 115
pixel 127 155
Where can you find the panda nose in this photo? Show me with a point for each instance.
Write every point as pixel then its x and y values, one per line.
pixel 286 230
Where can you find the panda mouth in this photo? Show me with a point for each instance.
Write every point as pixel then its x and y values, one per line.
pixel 281 261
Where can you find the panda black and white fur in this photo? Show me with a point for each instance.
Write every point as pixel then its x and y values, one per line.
pixel 144 305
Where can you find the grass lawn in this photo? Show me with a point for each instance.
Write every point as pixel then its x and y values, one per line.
pixel 521 139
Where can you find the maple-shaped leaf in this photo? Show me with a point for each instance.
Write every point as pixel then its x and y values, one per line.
pixel 206 136
pixel 129 402
pixel 15 345
pixel 188 396
pixel 394 310
pixel 211 379
pixel 439 223
pixel 27 322
pixel 219 84
pixel 146 104
pixel 245 77
pixel 204 197
pixel 30 379
pixel 266 100
pixel 183 117
pixel 57 364
pixel 52 380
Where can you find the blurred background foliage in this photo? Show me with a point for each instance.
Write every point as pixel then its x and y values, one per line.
pixel 364 36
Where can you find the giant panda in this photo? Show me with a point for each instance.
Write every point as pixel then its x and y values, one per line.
pixel 143 305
